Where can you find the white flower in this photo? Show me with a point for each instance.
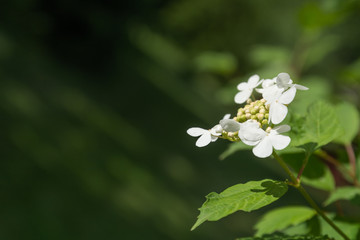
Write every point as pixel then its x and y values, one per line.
pixel 206 136
pixel 283 80
pixel 250 132
pixel 246 89
pixel 264 142
pixel 277 100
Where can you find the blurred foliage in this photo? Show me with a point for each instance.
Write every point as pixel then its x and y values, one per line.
pixel 96 98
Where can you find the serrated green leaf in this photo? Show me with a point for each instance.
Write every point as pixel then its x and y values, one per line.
pixel 246 197
pixel 233 148
pixel 321 125
pixel 342 193
pixel 279 236
pixel 348 117
pixel 282 218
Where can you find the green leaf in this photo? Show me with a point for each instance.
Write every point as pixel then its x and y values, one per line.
pixel 280 236
pixel 282 218
pixel 342 193
pixel 233 148
pixel 349 228
pixel 246 197
pixel 320 126
pixel 348 117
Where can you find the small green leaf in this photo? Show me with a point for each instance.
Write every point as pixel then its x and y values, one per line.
pixel 280 236
pixel 233 148
pixel 282 218
pixel 348 117
pixel 246 197
pixel 342 193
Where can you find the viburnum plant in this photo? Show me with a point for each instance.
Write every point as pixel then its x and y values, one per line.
pixel 257 126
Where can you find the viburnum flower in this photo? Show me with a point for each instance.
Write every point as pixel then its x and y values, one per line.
pixel 206 136
pixel 264 141
pixel 283 80
pixel 277 99
pixel 246 89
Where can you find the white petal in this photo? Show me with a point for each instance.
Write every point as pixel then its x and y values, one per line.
pixel 280 142
pixel 300 87
pixel 213 138
pixel 263 149
pixel 227 116
pixel 282 79
pixel 272 93
pixel 260 90
pixel 288 96
pixel 281 129
pixel 242 96
pixel 250 133
pixel 216 130
pixel 195 131
pixel 253 81
pixel 230 125
pixel 242 86
pixel 204 140
pixel 277 113
pixel 267 83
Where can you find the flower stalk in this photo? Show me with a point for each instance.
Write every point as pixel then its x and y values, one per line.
pixel 296 183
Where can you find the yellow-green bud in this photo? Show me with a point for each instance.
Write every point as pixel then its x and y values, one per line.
pixel 242 118
pixel 268 129
pixel 248 101
pixel 232 134
pixel 262 110
pixel 266 115
pixel 247 110
pixel 264 122
pixel 253 117
pixel 248 115
pixel 253 111
pixel 260 116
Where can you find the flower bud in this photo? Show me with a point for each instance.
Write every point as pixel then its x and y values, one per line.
pixel 248 115
pixel 232 134
pixel 262 110
pixel 242 118
pixel 248 101
pixel 264 122
pixel 260 116
pixel 266 115
pixel 253 111
pixel 253 117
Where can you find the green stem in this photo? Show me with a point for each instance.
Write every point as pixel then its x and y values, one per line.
pixel 297 185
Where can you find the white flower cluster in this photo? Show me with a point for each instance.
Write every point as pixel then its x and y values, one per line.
pixel 254 123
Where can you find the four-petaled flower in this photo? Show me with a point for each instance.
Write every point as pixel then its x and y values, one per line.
pixel 206 136
pixel 264 141
pixel 277 99
pixel 246 89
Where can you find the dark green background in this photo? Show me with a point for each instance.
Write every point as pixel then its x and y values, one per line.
pixel 96 98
